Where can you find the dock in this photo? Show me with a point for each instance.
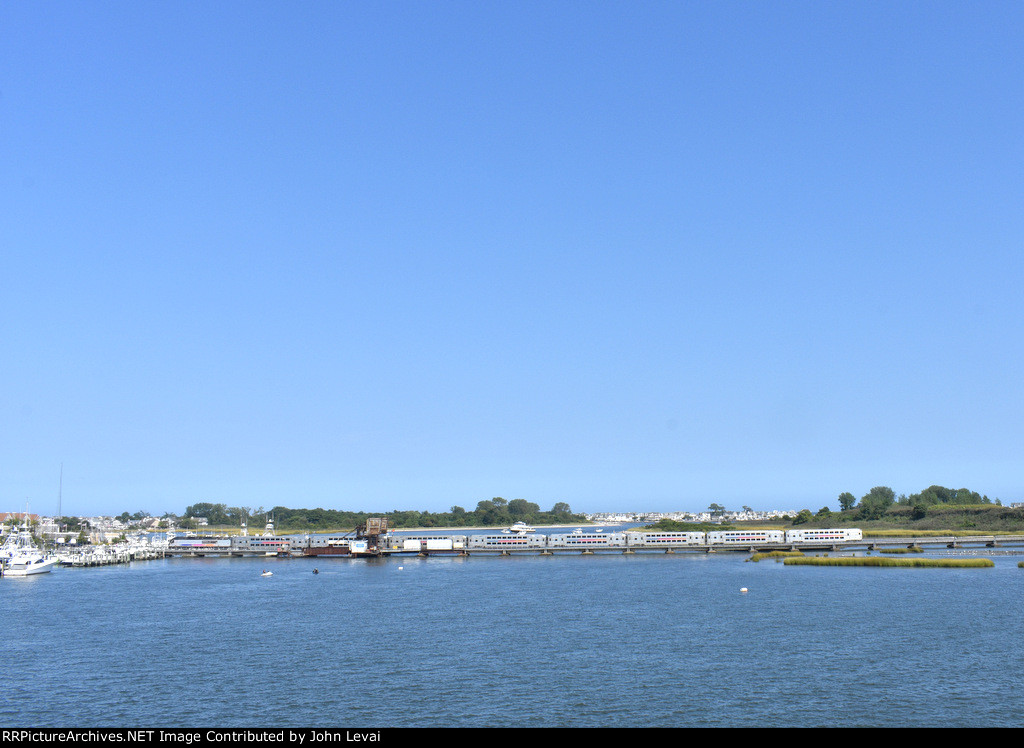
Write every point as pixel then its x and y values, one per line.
pixel 103 555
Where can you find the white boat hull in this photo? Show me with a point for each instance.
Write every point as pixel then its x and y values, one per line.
pixel 28 569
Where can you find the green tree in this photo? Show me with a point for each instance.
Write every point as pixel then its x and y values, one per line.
pixel 490 512
pixel 847 501
pixel 236 515
pixel 216 514
pixel 802 517
pixel 874 503
pixel 522 508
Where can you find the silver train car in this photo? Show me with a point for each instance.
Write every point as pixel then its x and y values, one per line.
pixel 745 537
pixel 655 539
pixel 425 543
pixel 509 541
pixel 586 540
pixel 803 536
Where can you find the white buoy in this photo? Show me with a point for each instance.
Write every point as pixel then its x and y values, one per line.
pixel 743 589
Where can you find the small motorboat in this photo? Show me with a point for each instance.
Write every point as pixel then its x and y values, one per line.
pixel 267 574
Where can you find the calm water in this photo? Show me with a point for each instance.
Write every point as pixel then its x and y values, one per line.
pixel 603 640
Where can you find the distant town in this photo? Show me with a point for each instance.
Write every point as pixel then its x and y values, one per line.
pixel 717 516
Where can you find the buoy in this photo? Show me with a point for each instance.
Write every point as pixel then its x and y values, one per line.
pixel 743 589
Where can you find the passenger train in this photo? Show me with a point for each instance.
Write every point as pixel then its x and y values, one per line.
pixel 630 539
pixel 344 545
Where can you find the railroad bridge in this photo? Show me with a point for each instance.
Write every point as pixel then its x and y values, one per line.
pixel 870 544
pixel 459 545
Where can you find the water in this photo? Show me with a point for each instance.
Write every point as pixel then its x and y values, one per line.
pixel 532 641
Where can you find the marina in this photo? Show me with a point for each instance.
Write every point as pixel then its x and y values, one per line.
pixel 19 557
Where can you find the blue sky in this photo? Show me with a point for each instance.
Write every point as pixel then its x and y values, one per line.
pixel 411 255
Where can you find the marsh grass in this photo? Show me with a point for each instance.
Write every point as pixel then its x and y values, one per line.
pixel 775 554
pixel 949 563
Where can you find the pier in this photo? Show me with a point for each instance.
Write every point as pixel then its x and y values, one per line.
pixel 107 555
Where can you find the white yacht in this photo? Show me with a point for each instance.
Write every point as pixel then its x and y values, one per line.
pixel 521 528
pixel 29 563
pixel 21 558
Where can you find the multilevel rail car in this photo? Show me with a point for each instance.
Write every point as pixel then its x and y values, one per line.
pixel 745 537
pixel 655 539
pixel 804 536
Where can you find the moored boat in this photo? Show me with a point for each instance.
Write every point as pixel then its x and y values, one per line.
pixel 28 564
pixel 20 557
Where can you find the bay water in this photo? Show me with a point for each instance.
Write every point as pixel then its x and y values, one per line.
pixel 645 640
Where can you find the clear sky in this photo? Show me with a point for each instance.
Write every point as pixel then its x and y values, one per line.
pixel 411 255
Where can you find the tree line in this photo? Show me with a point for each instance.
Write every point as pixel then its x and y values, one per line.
pixel 489 512
pixel 880 499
